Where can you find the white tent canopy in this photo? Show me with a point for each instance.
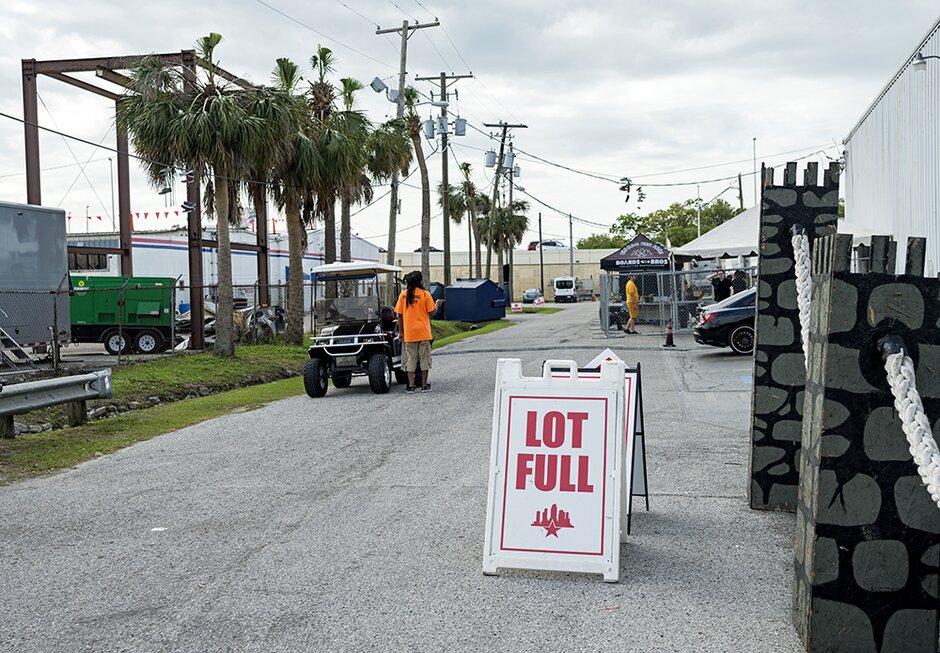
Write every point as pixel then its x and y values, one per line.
pixel 740 236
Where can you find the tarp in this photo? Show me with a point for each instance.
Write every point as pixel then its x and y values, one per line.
pixel 641 253
pixel 740 236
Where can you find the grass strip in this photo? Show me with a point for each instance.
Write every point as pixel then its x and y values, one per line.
pixel 40 453
pixel 489 327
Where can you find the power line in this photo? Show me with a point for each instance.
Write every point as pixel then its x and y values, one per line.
pixel 50 168
pixel 326 36
pixel 363 17
pixel 446 63
pixel 402 11
pixel 417 2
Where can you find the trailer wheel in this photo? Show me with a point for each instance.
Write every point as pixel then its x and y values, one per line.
pixel 380 374
pixel 116 342
pixel 148 342
pixel 315 379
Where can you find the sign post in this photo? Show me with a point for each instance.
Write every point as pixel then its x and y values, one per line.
pixel 557 470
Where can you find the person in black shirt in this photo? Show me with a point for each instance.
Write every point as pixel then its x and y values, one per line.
pixel 738 282
pixel 722 285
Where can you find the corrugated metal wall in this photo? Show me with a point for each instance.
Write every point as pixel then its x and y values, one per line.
pixel 892 169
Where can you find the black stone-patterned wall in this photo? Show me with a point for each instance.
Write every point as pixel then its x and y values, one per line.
pixel 779 374
pixel 867 545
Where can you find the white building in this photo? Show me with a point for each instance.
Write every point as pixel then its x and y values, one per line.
pixel 892 157
pixel 165 254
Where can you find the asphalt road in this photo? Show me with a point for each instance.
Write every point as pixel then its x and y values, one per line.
pixel 355 522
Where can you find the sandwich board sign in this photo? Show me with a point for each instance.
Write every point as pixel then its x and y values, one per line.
pixel 556 471
pixel 634 455
pixel 638 478
pixel 516 307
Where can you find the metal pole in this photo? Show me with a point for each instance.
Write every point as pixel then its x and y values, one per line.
pixel 124 200
pixel 31 129
pixel 511 184
pixel 755 171
pixel 570 246
pixel 541 258
pixel 698 209
pixel 113 213
pixel 445 194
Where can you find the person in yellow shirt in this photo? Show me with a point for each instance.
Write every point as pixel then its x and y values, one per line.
pixel 632 300
pixel 415 307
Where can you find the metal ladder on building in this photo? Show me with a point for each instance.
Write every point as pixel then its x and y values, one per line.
pixel 12 355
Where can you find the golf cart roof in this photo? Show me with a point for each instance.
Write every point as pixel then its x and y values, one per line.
pixel 353 269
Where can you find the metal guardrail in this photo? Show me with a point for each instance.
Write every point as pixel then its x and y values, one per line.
pixel 32 395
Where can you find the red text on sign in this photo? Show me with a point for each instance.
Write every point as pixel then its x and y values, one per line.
pixel 549 470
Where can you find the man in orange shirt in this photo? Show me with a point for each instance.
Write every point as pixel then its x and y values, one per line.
pixel 632 300
pixel 415 307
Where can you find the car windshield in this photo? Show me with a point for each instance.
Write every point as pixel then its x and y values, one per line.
pixel 347 309
pixel 738 300
pixel 564 284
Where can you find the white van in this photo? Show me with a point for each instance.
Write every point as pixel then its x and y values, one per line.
pixel 565 289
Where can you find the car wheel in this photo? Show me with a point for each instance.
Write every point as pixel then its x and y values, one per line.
pixel 741 339
pixel 342 379
pixel 380 374
pixel 148 342
pixel 116 342
pixel 315 381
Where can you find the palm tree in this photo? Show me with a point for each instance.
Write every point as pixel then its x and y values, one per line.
pixel 457 203
pixel 200 124
pixel 295 171
pixel 472 200
pixel 414 131
pixel 357 187
pixel 322 96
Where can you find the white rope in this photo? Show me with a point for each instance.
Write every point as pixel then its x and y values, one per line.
pixel 804 286
pixel 916 426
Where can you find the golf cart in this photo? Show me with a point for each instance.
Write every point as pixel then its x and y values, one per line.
pixel 355 335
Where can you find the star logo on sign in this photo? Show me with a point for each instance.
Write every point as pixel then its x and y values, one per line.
pixel 552 520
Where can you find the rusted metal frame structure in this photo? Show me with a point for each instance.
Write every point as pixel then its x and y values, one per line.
pixel 106 68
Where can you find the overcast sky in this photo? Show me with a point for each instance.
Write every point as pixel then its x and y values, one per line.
pixel 620 88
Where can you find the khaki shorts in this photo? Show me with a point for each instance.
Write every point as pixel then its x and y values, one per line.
pixel 416 352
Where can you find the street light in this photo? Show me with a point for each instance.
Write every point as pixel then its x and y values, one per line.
pixel 919 64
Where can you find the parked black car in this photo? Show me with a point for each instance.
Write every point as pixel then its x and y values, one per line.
pixel 729 323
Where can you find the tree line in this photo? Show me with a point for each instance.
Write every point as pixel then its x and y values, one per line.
pixel 301 143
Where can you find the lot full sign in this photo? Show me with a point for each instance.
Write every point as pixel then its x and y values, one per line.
pixel 554 489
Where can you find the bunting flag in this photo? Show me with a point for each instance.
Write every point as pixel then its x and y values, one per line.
pixel 98 216
pixel 138 215
pixel 166 214
pixel 146 214
pixel 68 217
pixel 177 213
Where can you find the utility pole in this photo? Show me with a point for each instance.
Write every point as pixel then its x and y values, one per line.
pixel 570 246
pixel 541 258
pixel 509 178
pixel 505 127
pixel 405 30
pixel 756 198
pixel 740 193
pixel 445 182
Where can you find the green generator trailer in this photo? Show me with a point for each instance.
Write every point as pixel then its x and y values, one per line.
pixel 123 312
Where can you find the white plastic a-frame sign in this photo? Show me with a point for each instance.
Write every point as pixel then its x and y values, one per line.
pixel 556 469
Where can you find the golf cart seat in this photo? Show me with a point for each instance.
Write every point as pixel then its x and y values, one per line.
pixel 387 316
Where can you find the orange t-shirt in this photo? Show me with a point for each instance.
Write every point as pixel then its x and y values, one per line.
pixel 417 316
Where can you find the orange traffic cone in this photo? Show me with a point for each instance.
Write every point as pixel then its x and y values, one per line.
pixel 669 342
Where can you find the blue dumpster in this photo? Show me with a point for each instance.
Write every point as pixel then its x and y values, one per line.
pixel 475 300
pixel 437 292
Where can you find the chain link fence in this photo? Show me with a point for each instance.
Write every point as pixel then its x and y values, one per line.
pixel 39 328
pixel 664 296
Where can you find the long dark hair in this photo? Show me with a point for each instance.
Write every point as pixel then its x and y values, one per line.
pixel 413 281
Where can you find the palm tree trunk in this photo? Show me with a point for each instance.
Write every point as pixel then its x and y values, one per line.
pixel 499 262
pixel 294 334
pixel 329 243
pixel 224 321
pixel 345 229
pixel 476 238
pixel 425 209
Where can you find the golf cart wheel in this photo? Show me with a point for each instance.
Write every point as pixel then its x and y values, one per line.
pixel 380 374
pixel 741 340
pixel 116 342
pixel 342 379
pixel 148 342
pixel 315 380
pixel 401 377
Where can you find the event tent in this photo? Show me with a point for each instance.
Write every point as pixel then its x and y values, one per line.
pixel 641 253
pixel 740 236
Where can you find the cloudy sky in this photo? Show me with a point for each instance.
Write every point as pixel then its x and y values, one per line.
pixel 667 94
